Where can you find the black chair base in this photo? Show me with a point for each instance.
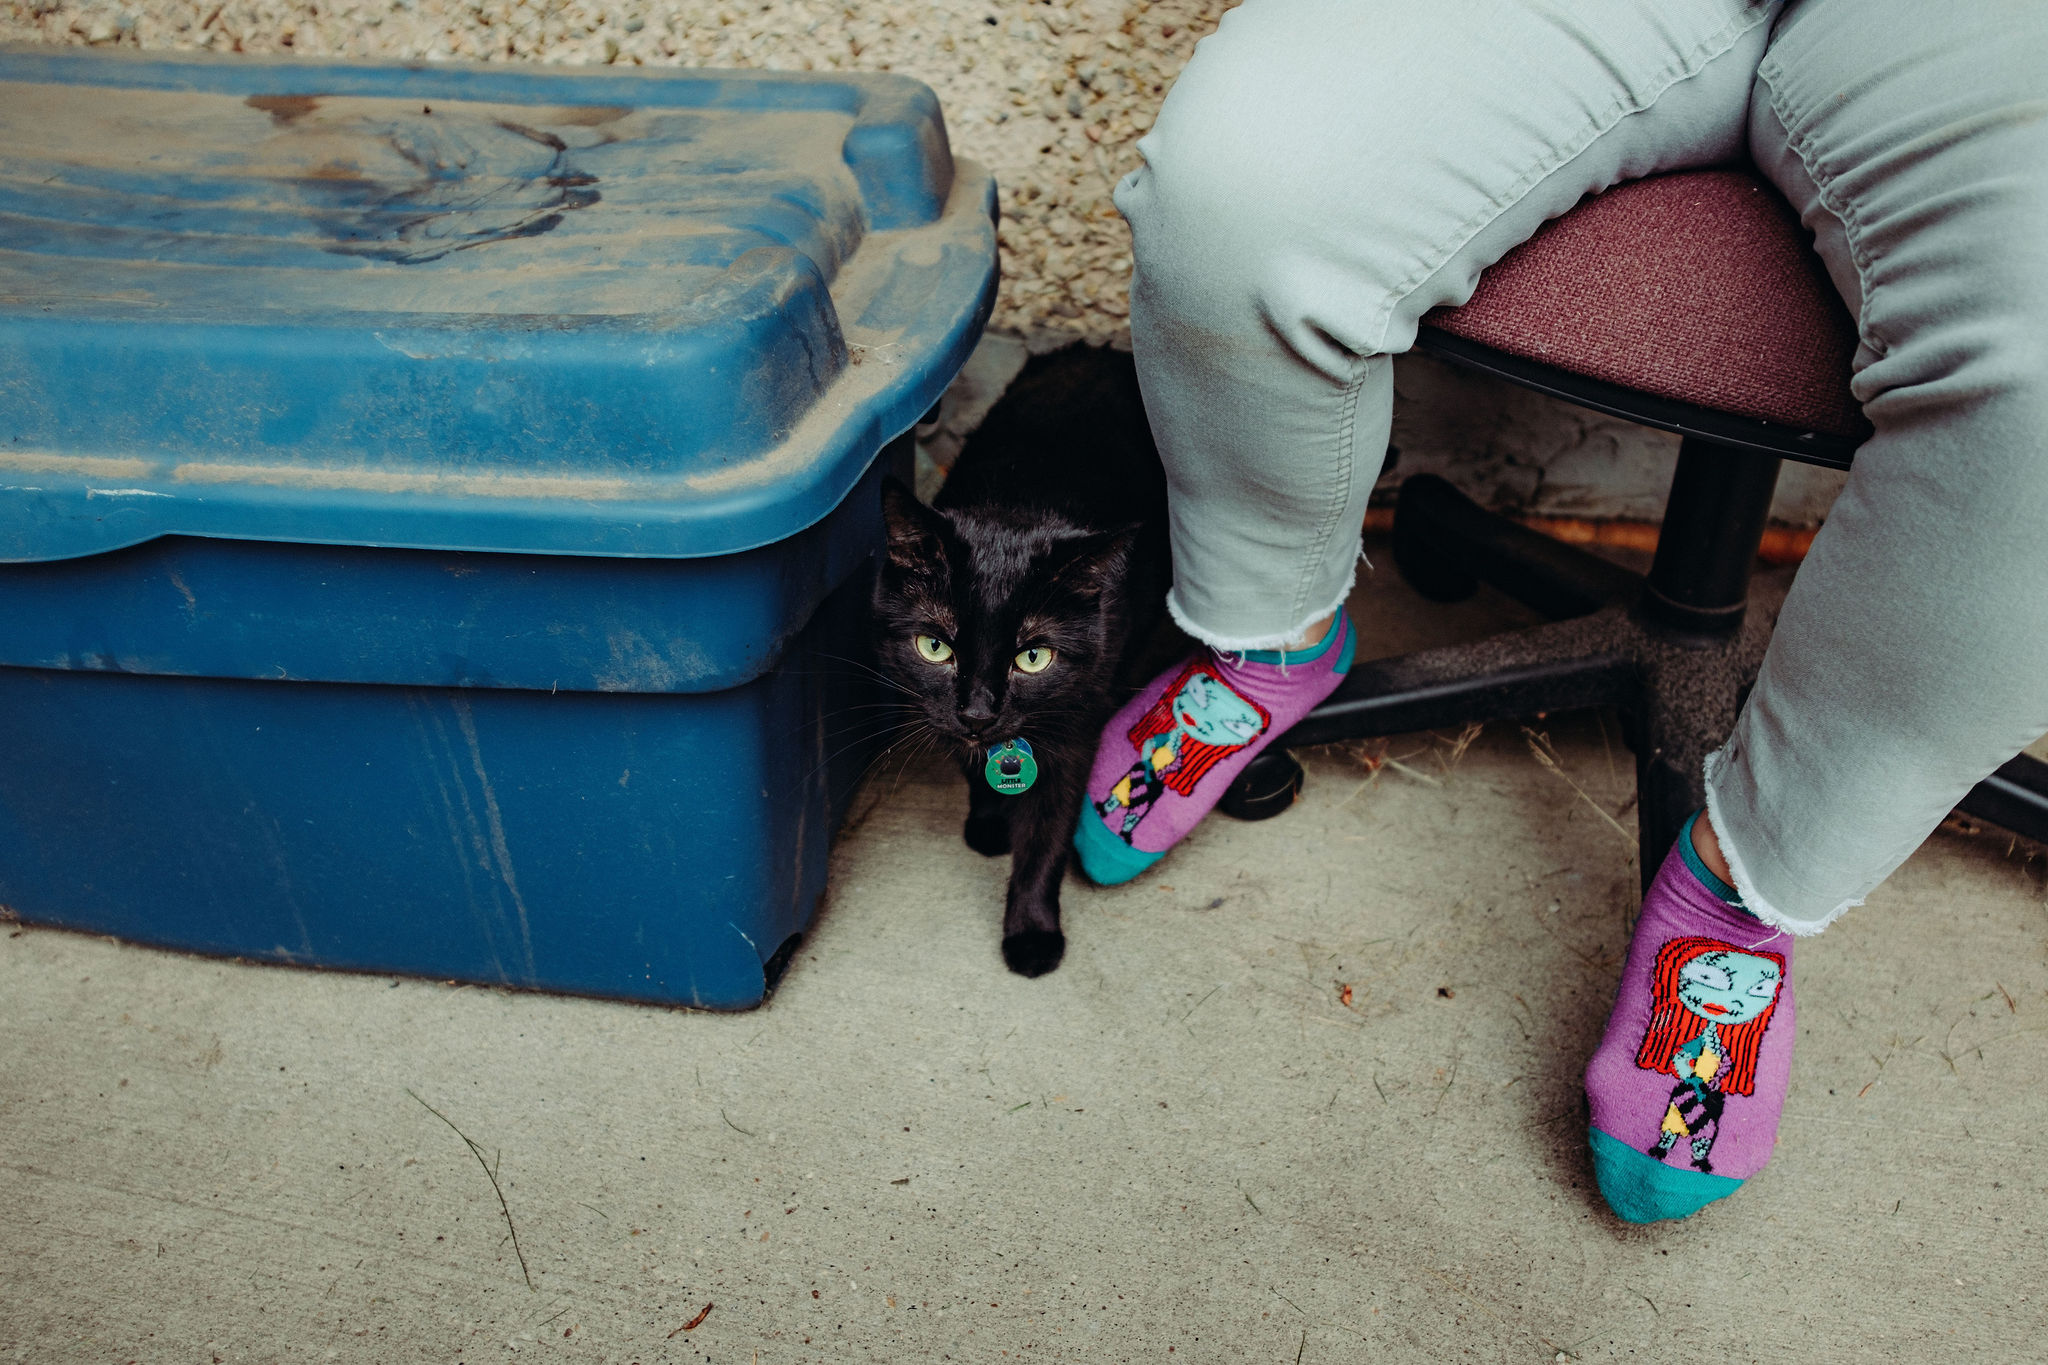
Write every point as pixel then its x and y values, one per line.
pixel 1675 652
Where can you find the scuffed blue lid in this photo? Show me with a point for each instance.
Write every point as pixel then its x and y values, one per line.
pixel 465 307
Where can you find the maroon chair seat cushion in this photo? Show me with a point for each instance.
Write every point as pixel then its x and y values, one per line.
pixel 1697 286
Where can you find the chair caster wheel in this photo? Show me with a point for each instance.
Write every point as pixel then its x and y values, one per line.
pixel 1268 785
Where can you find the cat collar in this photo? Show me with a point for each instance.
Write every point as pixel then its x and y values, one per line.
pixel 1011 768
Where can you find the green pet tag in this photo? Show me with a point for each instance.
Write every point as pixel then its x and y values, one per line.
pixel 1011 768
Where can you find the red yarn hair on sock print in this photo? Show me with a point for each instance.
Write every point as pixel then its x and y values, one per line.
pixel 1196 756
pixel 1673 1023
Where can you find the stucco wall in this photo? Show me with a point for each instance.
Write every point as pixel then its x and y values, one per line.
pixel 1052 95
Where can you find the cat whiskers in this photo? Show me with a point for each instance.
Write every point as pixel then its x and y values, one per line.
pixel 925 740
pixel 877 674
pixel 920 728
pixel 869 734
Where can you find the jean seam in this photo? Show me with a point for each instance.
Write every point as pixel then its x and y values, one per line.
pixel 1690 64
pixel 1844 212
pixel 1340 497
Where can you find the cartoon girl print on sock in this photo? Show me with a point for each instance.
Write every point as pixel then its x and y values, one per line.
pixel 1197 721
pixel 1711 1003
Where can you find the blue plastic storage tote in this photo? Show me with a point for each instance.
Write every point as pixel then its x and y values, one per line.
pixel 434 501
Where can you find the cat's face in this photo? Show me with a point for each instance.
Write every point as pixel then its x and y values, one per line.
pixel 997 629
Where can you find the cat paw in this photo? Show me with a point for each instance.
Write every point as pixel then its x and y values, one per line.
pixel 1035 951
pixel 988 835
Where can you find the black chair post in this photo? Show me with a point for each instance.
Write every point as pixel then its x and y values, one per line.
pixel 1713 524
pixel 1698 656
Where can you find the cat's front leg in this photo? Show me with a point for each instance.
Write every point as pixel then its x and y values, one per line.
pixel 988 817
pixel 1041 837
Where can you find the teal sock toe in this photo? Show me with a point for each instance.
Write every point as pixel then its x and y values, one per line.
pixel 1107 860
pixel 1641 1189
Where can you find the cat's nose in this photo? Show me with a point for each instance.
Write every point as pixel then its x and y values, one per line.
pixel 974 720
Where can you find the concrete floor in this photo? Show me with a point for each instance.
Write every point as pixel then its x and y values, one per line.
pixel 1183 1144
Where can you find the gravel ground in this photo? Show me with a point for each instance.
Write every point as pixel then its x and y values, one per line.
pixel 1053 96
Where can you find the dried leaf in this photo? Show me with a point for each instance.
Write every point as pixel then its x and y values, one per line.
pixel 694 1323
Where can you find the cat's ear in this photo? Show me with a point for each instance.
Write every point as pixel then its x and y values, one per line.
pixel 1095 563
pixel 913 528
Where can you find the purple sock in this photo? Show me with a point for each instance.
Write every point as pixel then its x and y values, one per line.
pixel 1689 1080
pixel 1167 757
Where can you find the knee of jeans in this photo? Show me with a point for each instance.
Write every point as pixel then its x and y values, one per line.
pixel 1227 239
pixel 2013 353
pixel 1223 185
pixel 1201 216
pixel 1956 344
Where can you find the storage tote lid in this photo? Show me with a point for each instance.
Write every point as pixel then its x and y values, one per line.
pixel 461 307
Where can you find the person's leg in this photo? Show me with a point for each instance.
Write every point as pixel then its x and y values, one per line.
pixel 1325 172
pixel 1911 658
pixel 1912 655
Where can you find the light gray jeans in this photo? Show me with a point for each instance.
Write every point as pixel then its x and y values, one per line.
pixel 1327 171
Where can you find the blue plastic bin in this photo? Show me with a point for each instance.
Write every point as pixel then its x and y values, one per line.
pixel 435 501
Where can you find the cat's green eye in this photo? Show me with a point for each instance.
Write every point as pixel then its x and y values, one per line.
pixel 933 650
pixel 1033 660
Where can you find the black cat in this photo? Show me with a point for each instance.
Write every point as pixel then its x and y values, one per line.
pixel 1014 607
